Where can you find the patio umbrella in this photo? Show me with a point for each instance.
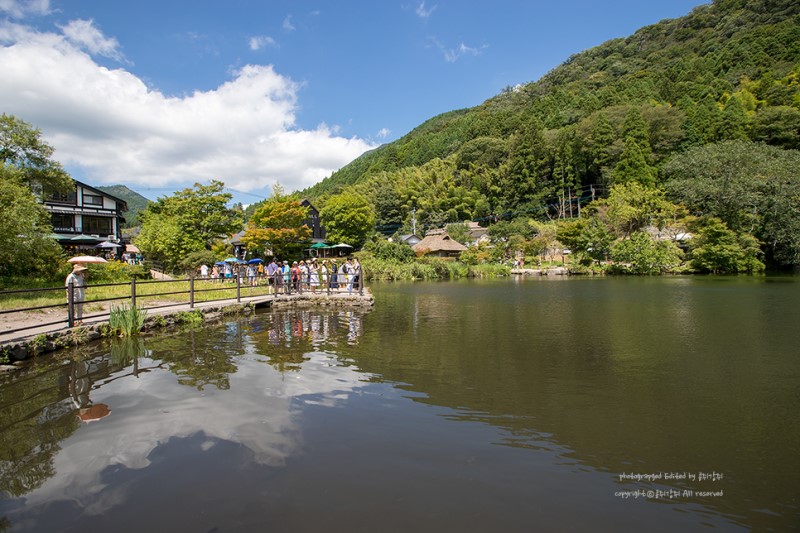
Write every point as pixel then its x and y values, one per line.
pixel 107 245
pixel 341 245
pixel 86 259
pixel 319 245
pixel 255 261
pixel 83 238
pixel 131 249
pixel 231 260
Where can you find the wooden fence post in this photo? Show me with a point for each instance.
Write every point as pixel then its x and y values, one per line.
pixel 191 291
pixel 133 292
pixel 70 304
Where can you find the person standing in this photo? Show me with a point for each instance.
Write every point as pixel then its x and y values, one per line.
pixel 334 275
pixel 77 278
pixel 323 275
pixel 296 276
pixel 285 272
pixel 204 271
pixel 272 278
pixel 356 268
pixel 313 275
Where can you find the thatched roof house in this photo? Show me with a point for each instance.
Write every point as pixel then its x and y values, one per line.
pixel 439 244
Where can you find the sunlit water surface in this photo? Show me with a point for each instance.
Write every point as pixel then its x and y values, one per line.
pixel 658 404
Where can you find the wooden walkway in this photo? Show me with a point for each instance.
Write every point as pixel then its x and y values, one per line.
pixel 265 300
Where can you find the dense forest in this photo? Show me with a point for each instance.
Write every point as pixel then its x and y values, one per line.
pixel 721 84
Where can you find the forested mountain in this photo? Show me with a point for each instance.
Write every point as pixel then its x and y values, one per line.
pixel 136 202
pixel 612 114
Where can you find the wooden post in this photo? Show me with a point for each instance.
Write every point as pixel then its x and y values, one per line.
pixel 70 304
pixel 191 291
pixel 133 292
pixel 238 288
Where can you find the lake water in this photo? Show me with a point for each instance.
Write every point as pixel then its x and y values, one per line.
pixel 658 404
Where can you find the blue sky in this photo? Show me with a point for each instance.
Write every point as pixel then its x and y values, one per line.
pixel 159 95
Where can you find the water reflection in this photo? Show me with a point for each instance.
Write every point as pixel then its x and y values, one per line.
pixel 79 386
pixel 288 336
pixel 468 407
pixel 206 385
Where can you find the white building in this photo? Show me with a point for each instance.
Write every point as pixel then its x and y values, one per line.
pixel 84 216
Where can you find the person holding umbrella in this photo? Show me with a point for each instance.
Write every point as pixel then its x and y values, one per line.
pixel 76 278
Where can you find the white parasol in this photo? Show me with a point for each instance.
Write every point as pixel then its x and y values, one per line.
pixel 86 259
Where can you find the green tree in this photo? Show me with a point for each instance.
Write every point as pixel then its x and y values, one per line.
pixel 25 244
pixel 458 232
pixel 751 187
pixel 646 255
pixel 778 126
pixel 601 140
pixel 202 211
pixel 22 147
pixel 587 237
pixel 189 221
pixel 163 238
pixel 633 166
pixel 348 218
pixel 733 122
pixel 718 250
pixel 525 173
pixel 278 224
pixel 631 207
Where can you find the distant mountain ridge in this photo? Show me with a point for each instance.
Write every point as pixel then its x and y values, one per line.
pixel 136 202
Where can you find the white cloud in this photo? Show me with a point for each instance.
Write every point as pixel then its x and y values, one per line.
pixel 451 55
pixel 260 41
pixel 424 13
pixel 287 23
pixel 383 133
pixel 86 36
pixel 108 124
pixel 21 8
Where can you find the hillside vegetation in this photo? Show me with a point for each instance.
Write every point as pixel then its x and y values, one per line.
pixel 612 115
pixel 136 202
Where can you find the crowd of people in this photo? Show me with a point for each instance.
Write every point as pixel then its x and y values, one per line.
pixel 306 275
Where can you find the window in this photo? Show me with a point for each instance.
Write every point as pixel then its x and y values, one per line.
pixel 92 199
pixel 51 196
pixel 62 222
pixel 97 225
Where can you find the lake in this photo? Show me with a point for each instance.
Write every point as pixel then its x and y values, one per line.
pixel 529 404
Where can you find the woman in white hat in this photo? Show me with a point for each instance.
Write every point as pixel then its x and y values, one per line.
pixel 78 280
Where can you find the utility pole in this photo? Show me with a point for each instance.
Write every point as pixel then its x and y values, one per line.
pixel 414 221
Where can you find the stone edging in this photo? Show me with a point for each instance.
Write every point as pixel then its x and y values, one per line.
pixel 20 350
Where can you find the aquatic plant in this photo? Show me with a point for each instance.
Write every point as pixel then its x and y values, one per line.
pixel 127 320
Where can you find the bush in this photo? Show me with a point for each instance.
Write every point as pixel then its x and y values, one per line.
pixel 193 260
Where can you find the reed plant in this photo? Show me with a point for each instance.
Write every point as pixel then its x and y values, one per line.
pixel 127 320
